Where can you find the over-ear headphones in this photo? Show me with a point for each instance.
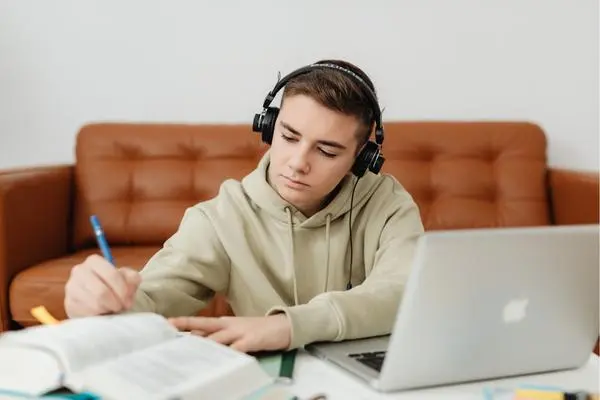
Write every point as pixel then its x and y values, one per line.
pixel 370 156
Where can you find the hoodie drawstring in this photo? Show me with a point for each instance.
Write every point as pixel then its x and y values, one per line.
pixel 291 244
pixel 291 233
pixel 327 244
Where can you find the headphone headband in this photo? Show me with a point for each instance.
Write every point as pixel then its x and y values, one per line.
pixel 367 89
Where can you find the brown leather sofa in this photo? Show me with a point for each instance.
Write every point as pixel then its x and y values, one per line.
pixel 139 178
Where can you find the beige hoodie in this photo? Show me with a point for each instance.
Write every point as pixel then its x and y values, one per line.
pixel 267 257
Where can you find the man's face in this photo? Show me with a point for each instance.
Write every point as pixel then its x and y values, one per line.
pixel 313 148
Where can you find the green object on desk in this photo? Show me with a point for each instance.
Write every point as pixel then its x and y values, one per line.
pixel 278 364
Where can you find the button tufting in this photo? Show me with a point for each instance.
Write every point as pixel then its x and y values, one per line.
pixel 451 169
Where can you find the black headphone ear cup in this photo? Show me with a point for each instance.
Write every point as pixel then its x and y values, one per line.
pixel 367 158
pixel 268 124
pixel 377 163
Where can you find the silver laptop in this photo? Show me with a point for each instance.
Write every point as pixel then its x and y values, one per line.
pixel 483 304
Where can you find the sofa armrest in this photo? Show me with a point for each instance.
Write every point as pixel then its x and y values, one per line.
pixel 574 197
pixel 35 208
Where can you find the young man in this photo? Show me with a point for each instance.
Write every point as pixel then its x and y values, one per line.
pixel 310 246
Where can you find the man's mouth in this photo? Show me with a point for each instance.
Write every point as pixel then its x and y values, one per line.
pixel 293 181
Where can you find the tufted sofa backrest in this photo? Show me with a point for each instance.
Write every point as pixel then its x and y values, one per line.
pixel 471 174
pixel 140 178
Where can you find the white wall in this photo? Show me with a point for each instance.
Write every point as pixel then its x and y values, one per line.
pixel 65 63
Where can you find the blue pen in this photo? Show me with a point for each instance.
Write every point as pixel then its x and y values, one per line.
pixel 101 239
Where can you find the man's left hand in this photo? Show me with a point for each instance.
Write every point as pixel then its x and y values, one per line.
pixel 246 334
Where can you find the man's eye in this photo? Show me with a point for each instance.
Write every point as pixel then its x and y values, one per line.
pixel 327 154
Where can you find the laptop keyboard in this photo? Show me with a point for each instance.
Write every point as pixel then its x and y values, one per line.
pixel 373 360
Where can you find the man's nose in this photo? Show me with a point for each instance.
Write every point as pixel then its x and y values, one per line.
pixel 299 162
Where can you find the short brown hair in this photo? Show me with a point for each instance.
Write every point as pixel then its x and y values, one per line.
pixel 338 91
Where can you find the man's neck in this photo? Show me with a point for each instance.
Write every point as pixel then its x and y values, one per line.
pixel 332 195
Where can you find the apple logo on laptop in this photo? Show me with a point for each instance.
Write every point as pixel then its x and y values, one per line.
pixel 515 310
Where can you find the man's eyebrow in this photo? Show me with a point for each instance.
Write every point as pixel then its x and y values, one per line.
pixel 323 142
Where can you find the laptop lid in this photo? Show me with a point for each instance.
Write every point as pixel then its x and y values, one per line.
pixel 486 303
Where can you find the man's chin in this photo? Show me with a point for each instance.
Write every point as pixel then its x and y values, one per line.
pixel 297 199
pixel 290 195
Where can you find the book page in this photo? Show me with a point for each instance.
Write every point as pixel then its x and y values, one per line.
pixel 28 371
pixel 84 341
pixel 173 368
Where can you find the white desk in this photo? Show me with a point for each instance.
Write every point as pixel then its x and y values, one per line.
pixel 313 375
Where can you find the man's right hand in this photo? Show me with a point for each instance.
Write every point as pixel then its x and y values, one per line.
pixel 97 287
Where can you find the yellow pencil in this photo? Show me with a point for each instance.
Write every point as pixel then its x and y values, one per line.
pixel 528 394
pixel 42 315
pixel 532 394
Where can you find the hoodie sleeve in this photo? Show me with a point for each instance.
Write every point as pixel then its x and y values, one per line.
pixel 368 309
pixel 182 277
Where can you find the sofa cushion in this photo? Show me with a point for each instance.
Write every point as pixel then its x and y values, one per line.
pixel 139 178
pixel 44 284
pixel 471 174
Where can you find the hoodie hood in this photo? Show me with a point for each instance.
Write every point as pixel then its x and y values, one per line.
pixel 266 197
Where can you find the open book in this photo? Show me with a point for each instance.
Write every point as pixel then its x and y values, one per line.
pixel 129 356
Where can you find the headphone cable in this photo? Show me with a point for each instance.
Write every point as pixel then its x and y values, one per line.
pixel 349 284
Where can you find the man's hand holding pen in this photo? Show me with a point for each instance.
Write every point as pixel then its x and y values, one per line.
pixel 96 287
